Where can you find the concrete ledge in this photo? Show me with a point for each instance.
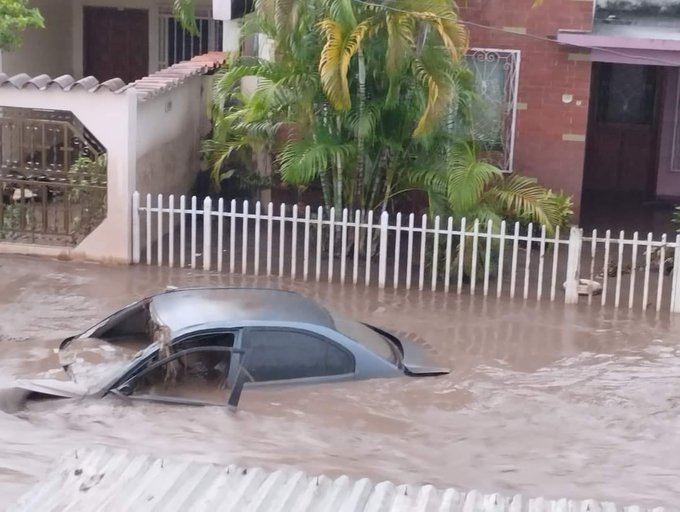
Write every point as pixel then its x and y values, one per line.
pixel 58 252
pixel 36 250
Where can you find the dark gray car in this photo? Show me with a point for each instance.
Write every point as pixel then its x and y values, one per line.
pixel 203 345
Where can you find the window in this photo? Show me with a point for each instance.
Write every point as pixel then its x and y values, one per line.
pixel 494 110
pixel 365 336
pixel 627 94
pixel 176 44
pixel 276 354
pixel 196 370
pixel 197 376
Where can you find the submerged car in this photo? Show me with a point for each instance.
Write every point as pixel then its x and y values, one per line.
pixel 203 345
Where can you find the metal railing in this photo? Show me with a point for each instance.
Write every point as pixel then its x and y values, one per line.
pixel 52 177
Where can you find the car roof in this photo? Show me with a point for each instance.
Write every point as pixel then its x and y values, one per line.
pixel 234 307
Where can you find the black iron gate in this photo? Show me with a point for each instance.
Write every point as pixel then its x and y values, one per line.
pixel 52 177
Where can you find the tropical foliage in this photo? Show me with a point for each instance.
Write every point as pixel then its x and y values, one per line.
pixel 354 97
pixel 15 17
pixel 370 101
pixel 463 185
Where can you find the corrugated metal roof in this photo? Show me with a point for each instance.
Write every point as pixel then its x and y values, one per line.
pixel 152 85
pixel 104 479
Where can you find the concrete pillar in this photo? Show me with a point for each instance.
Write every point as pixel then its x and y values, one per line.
pixel 231 36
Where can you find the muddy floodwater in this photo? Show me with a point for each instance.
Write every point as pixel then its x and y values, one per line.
pixel 543 400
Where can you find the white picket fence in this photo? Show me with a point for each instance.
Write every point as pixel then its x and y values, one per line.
pixel 407 252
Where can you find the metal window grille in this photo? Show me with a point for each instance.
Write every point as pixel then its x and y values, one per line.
pixel 176 44
pixel 494 115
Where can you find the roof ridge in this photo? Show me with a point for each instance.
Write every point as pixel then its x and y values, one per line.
pixel 151 85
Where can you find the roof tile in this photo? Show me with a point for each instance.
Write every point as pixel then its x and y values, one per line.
pixel 147 87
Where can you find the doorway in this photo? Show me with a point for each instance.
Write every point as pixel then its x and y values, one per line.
pixel 115 43
pixel 622 145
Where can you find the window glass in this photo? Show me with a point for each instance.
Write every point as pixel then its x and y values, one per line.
pixel 198 376
pixel 221 339
pixel 491 118
pixel 364 335
pixel 492 102
pixel 627 94
pixel 274 354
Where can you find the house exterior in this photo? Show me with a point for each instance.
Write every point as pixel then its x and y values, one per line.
pixel 582 94
pixel 112 83
pixel 126 39
pixel 591 95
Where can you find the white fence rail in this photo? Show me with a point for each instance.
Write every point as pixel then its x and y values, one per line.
pixel 407 252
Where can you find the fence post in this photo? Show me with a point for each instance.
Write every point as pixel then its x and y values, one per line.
pixel 207 232
pixel 382 256
pixel 136 232
pixel 675 284
pixel 573 264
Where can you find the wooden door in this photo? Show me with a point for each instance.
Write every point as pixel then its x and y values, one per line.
pixel 115 43
pixel 621 152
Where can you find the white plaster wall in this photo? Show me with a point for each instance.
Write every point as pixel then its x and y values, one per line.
pixel 47 50
pixel 155 7
pixel 169 128
pixel 111 118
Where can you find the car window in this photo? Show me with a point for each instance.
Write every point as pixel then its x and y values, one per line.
pixel 218 339
pixel 199 375
pixel 366 336
pixel 279 354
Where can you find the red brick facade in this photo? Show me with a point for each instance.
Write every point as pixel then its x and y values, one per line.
pixel 554 83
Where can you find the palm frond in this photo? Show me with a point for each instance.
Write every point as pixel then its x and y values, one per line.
pixel 468 178
pixel 303 160
pixel 400 41
pixel 441 91
pixel 523 197
pixel 336 54
pixel 400 45
pixel 185 12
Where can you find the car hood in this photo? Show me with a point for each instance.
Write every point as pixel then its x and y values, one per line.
pixel 91 362
pixel 52 387
pixel 416 359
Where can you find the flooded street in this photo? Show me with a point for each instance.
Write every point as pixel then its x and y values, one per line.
pixel 543 400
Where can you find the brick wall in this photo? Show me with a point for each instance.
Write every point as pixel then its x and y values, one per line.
pixel 554 83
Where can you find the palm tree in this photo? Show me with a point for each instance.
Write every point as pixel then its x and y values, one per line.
pixel 387 77
pixel 358 97
pixel 463 185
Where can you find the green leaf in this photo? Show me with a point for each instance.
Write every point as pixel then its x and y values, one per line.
pixel 185 12
pixel 15 17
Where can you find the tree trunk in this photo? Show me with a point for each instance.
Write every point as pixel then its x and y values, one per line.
pixel 339 180
pixel 361 161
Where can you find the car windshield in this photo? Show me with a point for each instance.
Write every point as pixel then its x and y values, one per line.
pixel 369 338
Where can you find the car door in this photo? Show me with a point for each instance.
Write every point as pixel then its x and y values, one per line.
pixel 194 371
pixel 275 354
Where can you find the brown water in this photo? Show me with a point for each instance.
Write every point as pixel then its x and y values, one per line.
pixel 543 400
